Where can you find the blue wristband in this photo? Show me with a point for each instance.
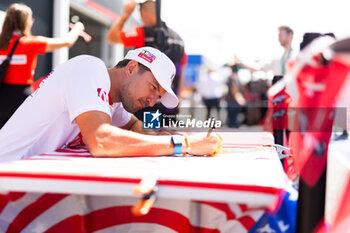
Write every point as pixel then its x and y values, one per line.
pixel 177 142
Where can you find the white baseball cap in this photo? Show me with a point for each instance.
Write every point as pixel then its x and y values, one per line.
pixel 162 68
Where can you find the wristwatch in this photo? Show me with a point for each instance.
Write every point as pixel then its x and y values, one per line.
pixel 177 141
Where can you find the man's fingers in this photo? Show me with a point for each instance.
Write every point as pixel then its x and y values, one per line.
pixel 219 136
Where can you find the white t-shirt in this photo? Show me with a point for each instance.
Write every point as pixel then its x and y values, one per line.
pixel 46 120
pixel 211 85
pixel 278 65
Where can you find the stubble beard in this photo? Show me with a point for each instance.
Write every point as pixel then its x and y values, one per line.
pixel 127 99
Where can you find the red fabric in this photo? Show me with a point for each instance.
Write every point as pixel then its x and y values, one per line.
pixel 277 104
pixel 223 207
pixel 11 196
pixel 280 104
pixel 247 221
pixel 117 215
pixel 342 221
pixel 33 210
pixel 134 39
pixel 289 167
pixel 137 39
pixel 184 59
pixel 36 83
pixel 29 47
pixel 314 117
pixel 104 218
pixel 50 212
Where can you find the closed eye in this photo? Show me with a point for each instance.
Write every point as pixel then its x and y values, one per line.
pixel 156 88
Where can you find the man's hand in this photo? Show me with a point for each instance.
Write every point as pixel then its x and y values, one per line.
pixel 237 60
pixel 129 8
pixel 113 35
pixel 202 144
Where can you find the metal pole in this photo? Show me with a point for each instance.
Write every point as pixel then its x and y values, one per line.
pixel 159 34
pixel 158 7
pixel 311 205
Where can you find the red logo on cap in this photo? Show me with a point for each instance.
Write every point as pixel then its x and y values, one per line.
pixel 172 78
pixel 146 55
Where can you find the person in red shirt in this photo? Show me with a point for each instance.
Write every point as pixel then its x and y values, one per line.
pixel 16 85
pixel 172 44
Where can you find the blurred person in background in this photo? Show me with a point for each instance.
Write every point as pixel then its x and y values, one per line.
pixel 285 37
pixel 234 98
pixel 172 46
pixel 211 91
pixel 16 85
pixel 277 65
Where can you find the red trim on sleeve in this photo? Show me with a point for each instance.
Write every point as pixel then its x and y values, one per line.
pixel 136 40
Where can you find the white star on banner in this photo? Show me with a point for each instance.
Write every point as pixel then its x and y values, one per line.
pixel 156 115
pixel 266 229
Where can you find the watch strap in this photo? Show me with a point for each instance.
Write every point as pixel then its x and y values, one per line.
pixel 177 142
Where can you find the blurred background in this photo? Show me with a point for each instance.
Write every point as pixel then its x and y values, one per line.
pixel 214 33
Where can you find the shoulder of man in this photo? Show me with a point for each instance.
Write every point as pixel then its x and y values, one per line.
pixel 84 58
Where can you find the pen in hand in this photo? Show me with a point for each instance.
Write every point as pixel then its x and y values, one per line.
pixel 212 128
pixel 218 149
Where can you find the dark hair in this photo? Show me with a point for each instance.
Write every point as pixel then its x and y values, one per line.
pixel 148 5
pixel 308 37
pixel 234 68
pixel 123 63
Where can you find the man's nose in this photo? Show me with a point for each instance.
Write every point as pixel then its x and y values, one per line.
pixel 152 100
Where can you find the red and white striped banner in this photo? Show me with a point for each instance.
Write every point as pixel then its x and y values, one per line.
pixel 33 212
pixel 70 191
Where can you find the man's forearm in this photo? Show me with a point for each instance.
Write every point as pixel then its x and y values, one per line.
pixel 114 142
pixel 136 125
pixel 113 35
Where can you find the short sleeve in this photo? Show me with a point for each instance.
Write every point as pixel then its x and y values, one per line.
pixel 37 43
pixel 87 86
pixel 136 39
pixel 120 116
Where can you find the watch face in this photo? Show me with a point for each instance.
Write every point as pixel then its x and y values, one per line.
pixel 177 140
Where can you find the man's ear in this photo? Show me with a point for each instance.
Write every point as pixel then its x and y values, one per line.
pixel 131 67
